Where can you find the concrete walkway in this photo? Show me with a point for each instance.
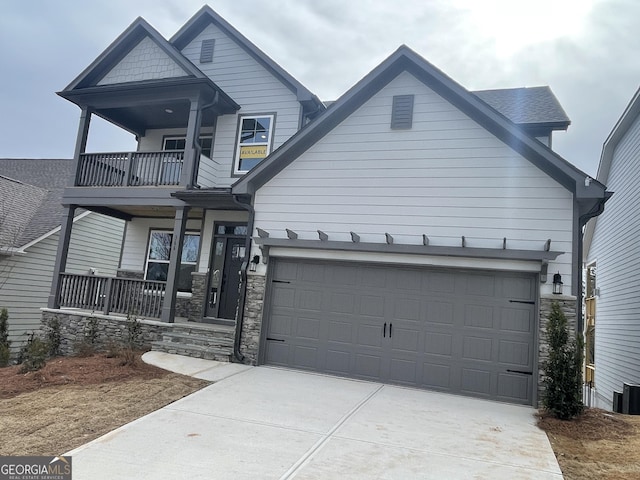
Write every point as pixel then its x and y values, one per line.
pixel 270 423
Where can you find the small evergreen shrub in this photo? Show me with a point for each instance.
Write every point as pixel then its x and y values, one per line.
pixel 5 343
pixel 34 354
pixel 563 370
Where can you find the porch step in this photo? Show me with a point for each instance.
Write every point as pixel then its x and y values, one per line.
pixel 210 342
pixel 194 351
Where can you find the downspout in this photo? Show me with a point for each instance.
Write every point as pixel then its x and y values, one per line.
pixel 597 209
pixel 237 355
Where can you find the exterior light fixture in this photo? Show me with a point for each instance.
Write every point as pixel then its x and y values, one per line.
pixel 253 265
pixel 557 284
pixel 168 110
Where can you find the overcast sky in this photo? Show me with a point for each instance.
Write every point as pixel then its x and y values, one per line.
pixel 585 50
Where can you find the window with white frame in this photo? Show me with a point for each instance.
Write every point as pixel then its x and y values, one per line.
pixel 172 167
pixel 254 141
pixel 158 255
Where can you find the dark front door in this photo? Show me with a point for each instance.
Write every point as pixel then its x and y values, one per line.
pixel 224 272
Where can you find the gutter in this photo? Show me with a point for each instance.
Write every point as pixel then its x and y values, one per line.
pixel 237 355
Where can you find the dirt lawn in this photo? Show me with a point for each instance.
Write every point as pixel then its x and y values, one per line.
pixel 598 445
pixel 74 400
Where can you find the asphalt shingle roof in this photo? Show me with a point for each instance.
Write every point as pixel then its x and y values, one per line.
pixel 38 184
pixel 526 105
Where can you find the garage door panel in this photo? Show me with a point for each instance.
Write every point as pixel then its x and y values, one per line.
pixel 338 362
pixel 310 300
pixel 406 340
pixel 436 376
pixel 477 348
pixel 340 331
pixel 440 312
pixel 438 344
pixel 439 282
pixel 479 285
pixel 368 366
pixel 403 371
pixel 370 335
pixel 515 319
pixel 451 330
pixel 308 328
pixel 476 382
pixel 514 388
pixel 306 357
pixel 479 316
pixel 515 354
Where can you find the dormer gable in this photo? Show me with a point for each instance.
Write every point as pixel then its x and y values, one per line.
pixel 207 16
pixel 140 53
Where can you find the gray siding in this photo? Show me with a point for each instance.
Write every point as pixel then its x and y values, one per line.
pixel 445 177
pixel 146 61
pixel 615 250
pixel 252 86
pixel 95 243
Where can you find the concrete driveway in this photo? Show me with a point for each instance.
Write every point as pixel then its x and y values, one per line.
pixel 270 423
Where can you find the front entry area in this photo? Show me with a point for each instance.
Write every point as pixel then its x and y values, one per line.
pixel 458 331
pixel 227 254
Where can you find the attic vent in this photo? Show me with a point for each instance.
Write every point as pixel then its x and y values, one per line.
pixel 402 112
pixel 206 51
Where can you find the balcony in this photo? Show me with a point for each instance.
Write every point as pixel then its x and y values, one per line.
pixel 124 296
pixel 130 169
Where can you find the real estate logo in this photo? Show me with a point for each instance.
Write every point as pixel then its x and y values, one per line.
pixel 35 468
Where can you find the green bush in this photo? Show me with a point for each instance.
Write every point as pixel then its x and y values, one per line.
pixel 5 344
pixel 54 338
pixel 34 354
pixel 563 369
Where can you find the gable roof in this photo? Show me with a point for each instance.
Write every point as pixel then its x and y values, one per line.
pixel 121 46
pixel 207 15
pixel 588 192
pixel 630 114
pixel 535 106
pixel 18 204
pixel 38 184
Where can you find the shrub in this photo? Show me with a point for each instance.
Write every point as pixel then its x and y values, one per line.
pixel 34 354
pixel 53 337
pixel 563 369
pixel 5 343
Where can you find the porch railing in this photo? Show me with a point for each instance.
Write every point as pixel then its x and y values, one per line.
pixel 112 295
pixel 130 169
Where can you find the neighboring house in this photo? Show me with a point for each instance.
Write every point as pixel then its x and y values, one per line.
pixel 30 216
pixel 612 261
pixel 408 233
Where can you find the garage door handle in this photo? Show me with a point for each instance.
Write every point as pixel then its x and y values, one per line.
pixel 390 329
pixel 521 372
pixel 384 330
pixel 522 301
pixel 275 339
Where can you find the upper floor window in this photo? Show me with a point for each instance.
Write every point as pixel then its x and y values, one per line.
pixel 179 143
pixel 158 256
pixel 254 141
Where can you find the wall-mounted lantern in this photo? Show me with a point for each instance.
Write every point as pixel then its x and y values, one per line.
pixel 557 284
pixel 253 265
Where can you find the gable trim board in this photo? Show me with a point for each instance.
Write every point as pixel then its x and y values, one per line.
pixel 51 232
pixel 588 192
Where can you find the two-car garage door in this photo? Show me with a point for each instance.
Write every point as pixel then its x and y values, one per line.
pixel 467 332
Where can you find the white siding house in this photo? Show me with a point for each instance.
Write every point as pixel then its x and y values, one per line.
pixel 613 257
pixel 410 235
